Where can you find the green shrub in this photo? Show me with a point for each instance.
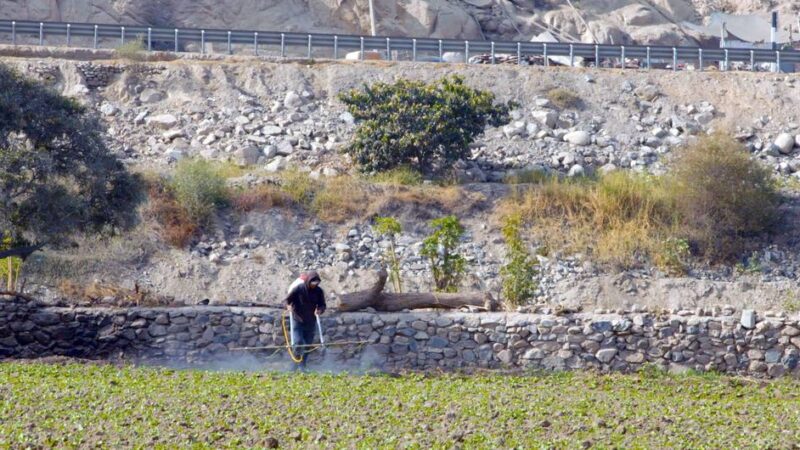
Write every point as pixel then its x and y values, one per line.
pixel 9 267
pixel 564 98
pixel 199 188
pixel 724 197
pixel 447 266
pixel 390 227
pixel 519 273
pixel 403 176
pixel 425 126
pixel 133 50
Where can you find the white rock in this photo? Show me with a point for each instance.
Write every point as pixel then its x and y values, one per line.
pixel 797 140
pixel 605 355
pixel 276 165
pixel 330 172
pixel 546 118
pixel 163 121
pixel 607 168
pixel 576 171
pixel 292 100
pixel 173 134
pixel 514 129
pixel 139 119
pixel 785 142
pixel 208 140
pixel 270 151
pixel 272 130
pixel 659 132
pixel 174 154
pixel 241 120
pixel 579 137
pixel 108 109
pixel 284 148
pixel 748 319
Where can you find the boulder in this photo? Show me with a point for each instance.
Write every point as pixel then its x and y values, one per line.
pixel 292 100
pixel 579 137
pixel 247 156
pixel 784 143
pixel 151 96
pixel 163 121
pixel 546 118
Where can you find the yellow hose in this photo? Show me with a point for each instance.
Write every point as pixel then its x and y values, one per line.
pixel 288 341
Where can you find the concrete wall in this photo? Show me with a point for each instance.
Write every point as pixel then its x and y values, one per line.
pixel 729 342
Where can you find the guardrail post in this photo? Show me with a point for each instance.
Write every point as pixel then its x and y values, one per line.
pixel 413 49
pixel 230 48
pixel 308 53
pixel 596 56
pixel 622 56
pixel 466 52
pixel 94 43
pixel 544 48
pixel 493 58
pixel 519 53
pixel 778 61
pixel 674 59
pixel 361 48
pixel 149 39
pixel 571 56
pixel 700 59
pixel 441 53
pixel 283 45
pixel 14 33
pixel 255 43
pixel 726 59
pixel 203 42
pixel 121 35
pixel 389 49
pixel 336 47
pixel 176 40
pixel 648 58
pixel 752 60
pixel 41 33
pixel 69 35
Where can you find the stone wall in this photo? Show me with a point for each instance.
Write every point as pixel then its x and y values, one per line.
pixel 741 343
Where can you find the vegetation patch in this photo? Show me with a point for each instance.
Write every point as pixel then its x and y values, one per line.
pixel 714 205
pixel 102 406
pixel 564 98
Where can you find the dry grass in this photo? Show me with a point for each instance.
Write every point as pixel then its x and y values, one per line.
pixel 564 98
pixel 715 203
pixel 260 198
pixel 341 198
pixel 111 295
pixel 173 220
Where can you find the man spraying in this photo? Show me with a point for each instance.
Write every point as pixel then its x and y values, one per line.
pixel 305 301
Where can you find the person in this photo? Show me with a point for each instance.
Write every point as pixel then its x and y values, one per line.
pixel 305 301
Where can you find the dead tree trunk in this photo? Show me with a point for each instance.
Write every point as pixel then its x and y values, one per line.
pixel 383 301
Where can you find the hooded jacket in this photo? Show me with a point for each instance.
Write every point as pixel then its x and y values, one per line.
pixel 304 300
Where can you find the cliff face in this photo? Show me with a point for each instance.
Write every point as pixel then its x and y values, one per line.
pixel 605 21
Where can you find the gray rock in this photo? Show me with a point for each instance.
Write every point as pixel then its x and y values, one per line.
pixel 605 355
pixel 163 121
pixel 576 171
pixel 247 156
pixel 151 96
pixel 545 117
pixel 272 130
pixel 276 165
pixel 107 109
pixel 292 100
pixel 504 356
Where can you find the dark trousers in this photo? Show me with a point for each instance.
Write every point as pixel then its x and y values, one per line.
pixel 303 335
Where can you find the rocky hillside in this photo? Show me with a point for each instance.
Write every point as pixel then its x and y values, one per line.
pixel 272 116
pixel 605 21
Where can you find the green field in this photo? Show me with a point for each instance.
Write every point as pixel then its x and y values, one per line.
pixel 74 405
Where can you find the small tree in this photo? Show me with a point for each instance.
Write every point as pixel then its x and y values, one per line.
pixel 417 124
pixel 56 173
pixel 518 274
pixel 447 266
pixel 390 227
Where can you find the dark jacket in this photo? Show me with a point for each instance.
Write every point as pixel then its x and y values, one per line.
pixel 304 300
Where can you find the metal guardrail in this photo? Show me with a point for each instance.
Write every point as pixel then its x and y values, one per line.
pixel 175 37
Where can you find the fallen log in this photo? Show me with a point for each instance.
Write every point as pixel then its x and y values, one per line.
pixel 374 297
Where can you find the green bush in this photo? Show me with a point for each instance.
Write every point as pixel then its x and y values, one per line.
pixel 519 283
pixel 447 266
pixel 425 126
pixel 389 226
pixel 199 188
pixel 133 50
pixel 724 197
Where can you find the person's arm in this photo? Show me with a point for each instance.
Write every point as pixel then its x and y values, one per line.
pixel 321 302
pixel 291 303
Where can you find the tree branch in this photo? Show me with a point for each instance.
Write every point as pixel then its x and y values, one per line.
pixel 22 252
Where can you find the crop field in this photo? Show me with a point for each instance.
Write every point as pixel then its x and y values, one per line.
pixel 88 405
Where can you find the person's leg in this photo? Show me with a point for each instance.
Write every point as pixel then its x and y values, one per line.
pixel 297 338
pixel 308 338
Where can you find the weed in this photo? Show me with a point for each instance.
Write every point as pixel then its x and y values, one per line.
pixel 260 198
pixel 403 176
pixel 564 98
pixel 199 188
pixel 340 199
pixel 447 266
pixel 519 273
pixel 390 227
pixel 133 50
pixel 791 302
pixel 528 176
pixel 674 256
pixel 299 186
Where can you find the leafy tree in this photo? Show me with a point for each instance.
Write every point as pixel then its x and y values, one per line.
pixel 447 266
pixel 56 174
pixel 417 124
pixel 389 226
pixel 518 274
